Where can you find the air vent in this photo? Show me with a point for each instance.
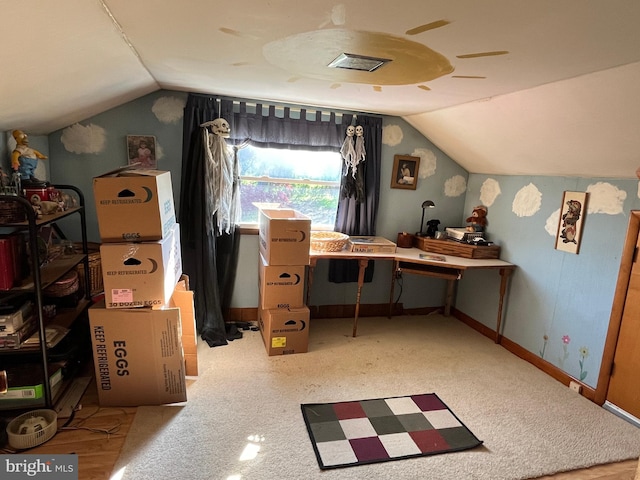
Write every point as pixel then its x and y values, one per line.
pixel 351 61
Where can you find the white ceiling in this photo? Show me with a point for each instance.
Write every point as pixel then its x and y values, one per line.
pixel 558 95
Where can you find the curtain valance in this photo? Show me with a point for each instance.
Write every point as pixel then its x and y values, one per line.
pixel 271 126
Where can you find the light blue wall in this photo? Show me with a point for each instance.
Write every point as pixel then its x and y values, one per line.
pixel 563 297
pixel 97 145
pixel 552 293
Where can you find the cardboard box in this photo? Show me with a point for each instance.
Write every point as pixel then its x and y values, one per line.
pixel 182 298
pixel 369 244
pixel 137 354
pixel 285 237
pixel 134 205
pixel 284 331
pixel 280 286
pixel 141 274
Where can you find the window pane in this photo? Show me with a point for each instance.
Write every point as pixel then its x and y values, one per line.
pixel 294 164
pixel 306 181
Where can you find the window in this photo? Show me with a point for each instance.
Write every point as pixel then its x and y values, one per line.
pixel 307 181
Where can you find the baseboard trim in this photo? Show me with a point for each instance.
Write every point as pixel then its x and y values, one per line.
pixel 382 310
pixel 526 355
pixel 336 311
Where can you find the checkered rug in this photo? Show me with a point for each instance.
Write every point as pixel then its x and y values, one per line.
pixel 345 434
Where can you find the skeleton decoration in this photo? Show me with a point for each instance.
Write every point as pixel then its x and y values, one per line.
pixel 221 128
pixel 360 150
pixel 353 155
pixel 347 151
pixel 353 185
pixel 220 179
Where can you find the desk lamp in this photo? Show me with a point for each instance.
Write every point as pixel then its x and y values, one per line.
pixel 426 204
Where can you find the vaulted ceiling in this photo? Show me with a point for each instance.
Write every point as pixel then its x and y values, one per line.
pixel 502 86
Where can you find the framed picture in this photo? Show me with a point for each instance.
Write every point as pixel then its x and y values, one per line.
pixel 572 212
pixel 141 150
pixel 405 172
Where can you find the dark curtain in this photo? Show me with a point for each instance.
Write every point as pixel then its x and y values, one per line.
pixel 357 216
pixel 209 258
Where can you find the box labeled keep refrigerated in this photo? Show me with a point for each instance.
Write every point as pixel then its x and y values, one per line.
pixel 284 237
pixel 134 205
pixel 284 331
pixel 141 274
pixel 280 286
pixel 138 356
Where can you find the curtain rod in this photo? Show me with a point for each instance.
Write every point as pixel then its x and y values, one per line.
pixel 296 108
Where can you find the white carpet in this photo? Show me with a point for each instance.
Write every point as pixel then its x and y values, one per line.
pixel 246 404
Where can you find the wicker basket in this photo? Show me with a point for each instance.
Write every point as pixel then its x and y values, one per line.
pixel 95 268
pixel 11 212
pixel 328 241
pixel 65 285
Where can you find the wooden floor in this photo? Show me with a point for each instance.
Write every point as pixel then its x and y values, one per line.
pixel 97 434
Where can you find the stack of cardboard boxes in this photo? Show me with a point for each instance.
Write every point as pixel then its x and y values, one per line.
pixel 137 331
pixel 283 317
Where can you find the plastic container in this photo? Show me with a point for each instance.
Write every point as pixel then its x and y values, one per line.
pixel 32 428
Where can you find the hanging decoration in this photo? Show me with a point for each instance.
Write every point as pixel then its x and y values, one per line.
pixel 220 176
pixel 361 153
pixel 353 154
pixel 348 151
pixel 569 234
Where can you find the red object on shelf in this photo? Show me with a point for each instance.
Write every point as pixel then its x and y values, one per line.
pixel 43 192
pixel 7 262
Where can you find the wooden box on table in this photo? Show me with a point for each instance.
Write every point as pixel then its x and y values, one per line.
pixel 457 249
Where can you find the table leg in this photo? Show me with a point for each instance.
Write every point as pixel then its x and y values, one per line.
pixel 363 265
pixel 312 265
pixel 448 301
pixel 394 269
pixel 504 274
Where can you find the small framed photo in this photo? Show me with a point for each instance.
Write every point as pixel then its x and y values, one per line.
pixel 405 172
pixel 572 212
pixel 141 151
